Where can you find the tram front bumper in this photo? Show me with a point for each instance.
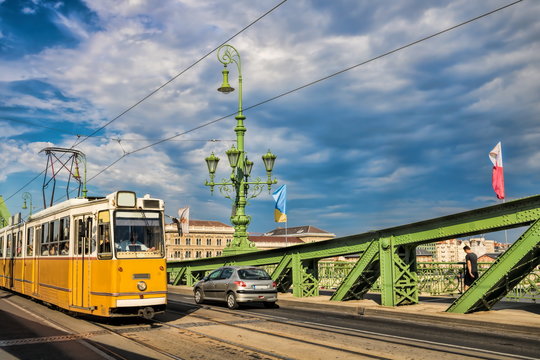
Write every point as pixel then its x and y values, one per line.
pixel 141 302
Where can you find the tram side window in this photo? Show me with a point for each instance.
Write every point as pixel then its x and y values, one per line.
pixel 63 244
pixel 19 245
pixel 1 246
pixel 104 238
pixel 79 238
pixel 90 240
pixel 8 246
pixel 45 239
pixel 54 230
pixel 30 241
pixel 37 240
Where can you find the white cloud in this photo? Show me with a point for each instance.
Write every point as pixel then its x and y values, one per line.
pixel 28 11
pixel 139 46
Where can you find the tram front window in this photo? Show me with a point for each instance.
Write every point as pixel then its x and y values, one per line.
pixel 138 234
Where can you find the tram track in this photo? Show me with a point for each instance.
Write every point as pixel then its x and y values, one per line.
pixel 202 326
pixel 236 324
pixel 417 344
pixel 73 335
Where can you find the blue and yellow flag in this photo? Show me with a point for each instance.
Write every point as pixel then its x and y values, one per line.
pixel 280 196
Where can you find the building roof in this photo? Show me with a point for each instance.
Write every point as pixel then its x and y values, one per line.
pixel 298 230
pixel 207 223
pixel 492 255
pixel 422 252
pixel 275 239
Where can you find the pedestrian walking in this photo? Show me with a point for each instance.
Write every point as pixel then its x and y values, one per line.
pixel 471 267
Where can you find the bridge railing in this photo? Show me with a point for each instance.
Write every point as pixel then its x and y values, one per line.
pixel 387 261
pixel 434 278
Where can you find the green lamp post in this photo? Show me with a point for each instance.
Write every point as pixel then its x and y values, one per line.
pixel 238 188
pixel 27 196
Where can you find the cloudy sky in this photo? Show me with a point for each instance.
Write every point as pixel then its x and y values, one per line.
pixel 400 139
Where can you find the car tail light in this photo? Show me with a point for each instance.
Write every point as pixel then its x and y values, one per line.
pixel 274 284
pixel 240 283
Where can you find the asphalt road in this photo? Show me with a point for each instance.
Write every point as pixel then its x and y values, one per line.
pixel 422 335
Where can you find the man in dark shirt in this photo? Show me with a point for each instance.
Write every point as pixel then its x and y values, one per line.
pixel 471 271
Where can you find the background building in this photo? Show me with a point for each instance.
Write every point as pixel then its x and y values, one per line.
pixel 204 239
pixel 452 250
pixel 274 242
pixel 207 238
pixel 307 233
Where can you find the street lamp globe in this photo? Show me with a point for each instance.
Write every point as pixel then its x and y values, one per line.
pixel 234 155
pixel 212 162
pixel 269 160
pixel 225 87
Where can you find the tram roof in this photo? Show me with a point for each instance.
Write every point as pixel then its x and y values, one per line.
pixel 59 207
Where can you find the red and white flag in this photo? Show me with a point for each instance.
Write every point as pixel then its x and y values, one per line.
pixel 497 176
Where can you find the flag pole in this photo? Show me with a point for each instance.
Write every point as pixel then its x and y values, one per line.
pixel 505 231
pixel 497 176
pixel 286 238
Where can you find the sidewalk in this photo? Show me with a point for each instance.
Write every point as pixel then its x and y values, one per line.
pixel 510 316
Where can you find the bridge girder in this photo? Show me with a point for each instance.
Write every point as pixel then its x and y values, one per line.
pixel 387 253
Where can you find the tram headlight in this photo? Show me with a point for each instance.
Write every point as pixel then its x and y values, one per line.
pixel 141 285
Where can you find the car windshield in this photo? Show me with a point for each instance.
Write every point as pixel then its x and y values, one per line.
pixel 138 234
pixel 253 274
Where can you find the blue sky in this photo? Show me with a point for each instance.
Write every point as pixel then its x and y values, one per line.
pixel 401 139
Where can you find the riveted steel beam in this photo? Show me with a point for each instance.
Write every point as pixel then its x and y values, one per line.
pixel 361 277
pixel 391 249
pixel 507 271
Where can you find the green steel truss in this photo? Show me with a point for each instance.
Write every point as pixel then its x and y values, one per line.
pixel 389 254
pixel 507 271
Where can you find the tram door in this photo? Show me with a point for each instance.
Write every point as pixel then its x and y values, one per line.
pixel 36 244
pixel 10 254
pixel 80 268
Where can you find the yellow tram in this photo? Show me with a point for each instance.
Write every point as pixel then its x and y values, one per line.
pixel 99 256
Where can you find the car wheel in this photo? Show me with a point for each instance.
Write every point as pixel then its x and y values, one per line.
pixel 270 305
pixel 199 298
pixel 231 301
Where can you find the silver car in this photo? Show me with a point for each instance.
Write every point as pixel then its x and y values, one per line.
pixel 235 285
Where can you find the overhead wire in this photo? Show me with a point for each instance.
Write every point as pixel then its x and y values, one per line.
pixel 157 89
pixel 180 73
pixel 107 137
pixel 312 83
pixel 295 89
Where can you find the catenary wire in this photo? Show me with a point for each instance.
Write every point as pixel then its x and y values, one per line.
pixel 301 87
pixel 77 142
pixel 180 73
pixel 109 137
pixel 311 83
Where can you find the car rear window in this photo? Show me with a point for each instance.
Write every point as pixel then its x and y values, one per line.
pixel 253 274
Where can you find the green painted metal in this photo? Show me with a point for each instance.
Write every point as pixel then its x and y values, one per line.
pixel 507 271
pixel 305 278
pixel 238 187
pixel 388 253
pixel 527 290
pixel 362 276
pixel 4 213
pixel 176 275
pixel 282 274
pixel 440 278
